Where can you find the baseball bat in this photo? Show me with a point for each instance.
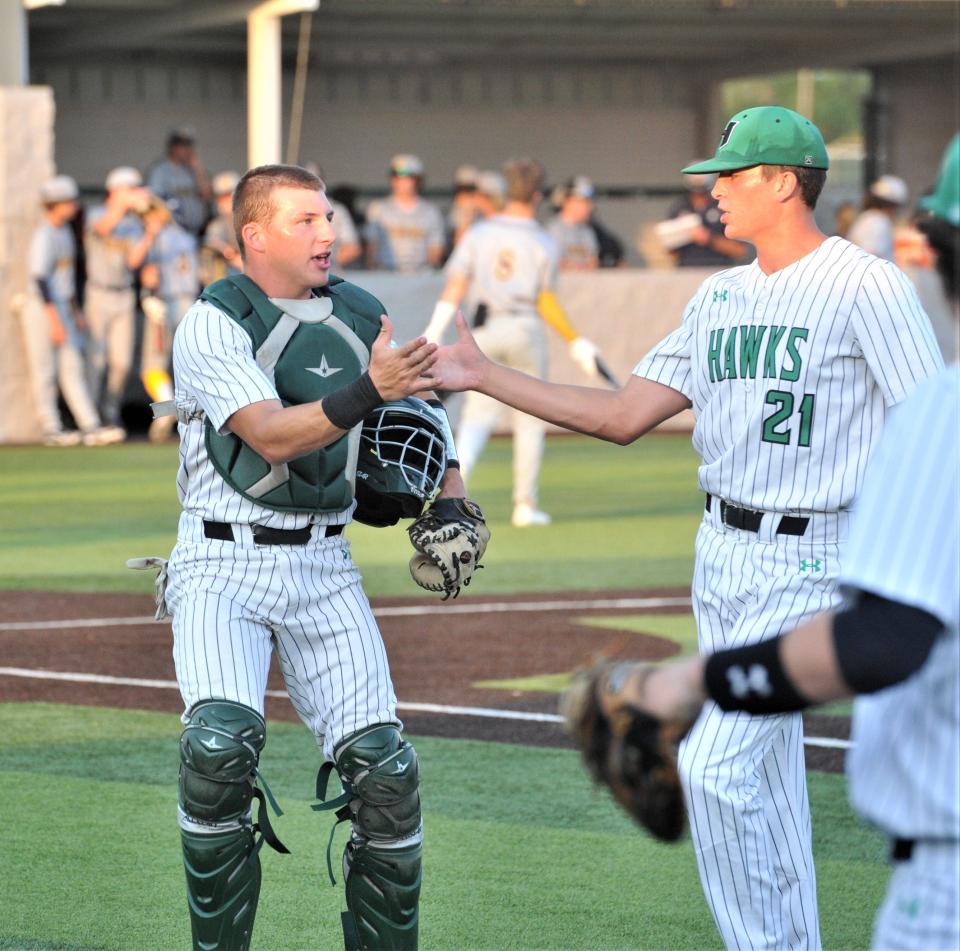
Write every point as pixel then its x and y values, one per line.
pixel 606 372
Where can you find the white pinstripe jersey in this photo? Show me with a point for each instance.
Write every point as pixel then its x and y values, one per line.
pixel 905 545
pixel 790 374
pixel 215 370
pixel 508 261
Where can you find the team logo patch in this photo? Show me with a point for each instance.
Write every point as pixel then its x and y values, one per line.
pixel 324 370
pixel 720 296
pixel 811 564
pixel 727 132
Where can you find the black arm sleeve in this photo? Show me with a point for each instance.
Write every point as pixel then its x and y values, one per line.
pixel 880 642
pixel 44 289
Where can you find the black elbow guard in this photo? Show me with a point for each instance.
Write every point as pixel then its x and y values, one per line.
pixel 880 642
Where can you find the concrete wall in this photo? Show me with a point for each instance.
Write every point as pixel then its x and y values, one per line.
pixel 26 161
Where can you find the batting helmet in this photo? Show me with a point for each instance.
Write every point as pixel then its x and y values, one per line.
pixel 401 462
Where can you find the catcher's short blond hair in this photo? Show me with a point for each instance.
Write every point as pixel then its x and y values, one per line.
pixel 524 177
pixel 253 196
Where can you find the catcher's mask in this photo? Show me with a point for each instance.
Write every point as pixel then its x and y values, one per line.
pixel 401 462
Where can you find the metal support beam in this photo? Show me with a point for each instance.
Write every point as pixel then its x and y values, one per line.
pixel 264 78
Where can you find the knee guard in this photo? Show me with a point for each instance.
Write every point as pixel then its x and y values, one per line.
pixel 382 859
pixel 219 752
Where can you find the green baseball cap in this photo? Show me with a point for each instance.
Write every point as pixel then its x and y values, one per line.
pixel 766 135
pixel 944 201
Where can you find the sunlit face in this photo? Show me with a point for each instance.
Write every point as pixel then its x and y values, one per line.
pixel 748 202
pixel 297 241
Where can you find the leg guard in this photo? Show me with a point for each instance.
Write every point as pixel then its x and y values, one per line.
pixel 382 860
pixel 219 751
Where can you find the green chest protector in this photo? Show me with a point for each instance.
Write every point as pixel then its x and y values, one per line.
pixel 306 359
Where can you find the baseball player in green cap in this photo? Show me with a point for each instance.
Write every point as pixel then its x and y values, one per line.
pixel 790 364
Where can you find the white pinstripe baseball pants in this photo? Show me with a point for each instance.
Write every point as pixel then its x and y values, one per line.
pixel 233 603
pixel 744 776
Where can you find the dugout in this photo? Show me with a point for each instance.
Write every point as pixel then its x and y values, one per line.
pixel 626 91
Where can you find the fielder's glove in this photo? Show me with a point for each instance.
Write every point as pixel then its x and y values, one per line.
pixel 450 539
pixel 625 748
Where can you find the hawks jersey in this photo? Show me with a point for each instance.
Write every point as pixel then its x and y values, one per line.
pixel 509 262
pixel 905 545
pixel 790 374
pixel 216 372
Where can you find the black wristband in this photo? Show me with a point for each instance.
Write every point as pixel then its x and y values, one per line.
pixel 752 679
pixel 351 403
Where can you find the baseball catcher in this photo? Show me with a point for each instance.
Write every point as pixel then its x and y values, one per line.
pixel 450 539
pixel 624 747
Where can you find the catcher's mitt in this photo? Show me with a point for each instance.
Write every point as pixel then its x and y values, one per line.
pixel 625 748
pixel 450 539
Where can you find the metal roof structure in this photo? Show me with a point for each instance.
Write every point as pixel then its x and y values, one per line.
pixel 723 37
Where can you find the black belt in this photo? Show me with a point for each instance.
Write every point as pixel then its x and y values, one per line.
pixel 223 531
pixel 901 850
pixel 749 520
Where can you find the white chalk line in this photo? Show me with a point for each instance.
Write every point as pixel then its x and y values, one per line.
pixel 412 610
pixel 487 712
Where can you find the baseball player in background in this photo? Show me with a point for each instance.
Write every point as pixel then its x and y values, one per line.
pixel 169 286
pixel 53 325
pixel 896 638
pixel 790 364
pixel 570 226
pixel 404 231
pixel 219 251
pixel 116 244
pixel 182 182
pixel 260 563
pixel 509 265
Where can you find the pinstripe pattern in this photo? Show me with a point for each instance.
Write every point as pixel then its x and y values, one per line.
pixel 790 375
pixel 905 766
pixel 234 603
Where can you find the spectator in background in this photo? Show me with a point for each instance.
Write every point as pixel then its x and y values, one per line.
pixel 491 194
pixel 347 248
pixel 220 253
pixel 404 232
pixel 53 325
pixel 707 246
pixel 873 227
pixel 181 181
pixel 464 210
pixel 570 227
pixel 116 243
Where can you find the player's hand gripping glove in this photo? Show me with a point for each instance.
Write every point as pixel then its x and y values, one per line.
pixel 625 748
pixel 450 539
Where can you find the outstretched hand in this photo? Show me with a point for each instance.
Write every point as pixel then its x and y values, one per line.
pixel 462 365
pixel 401 371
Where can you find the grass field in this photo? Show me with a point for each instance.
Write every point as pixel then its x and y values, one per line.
pixel 520 852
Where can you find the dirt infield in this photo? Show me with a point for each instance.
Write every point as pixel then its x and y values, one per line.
pixel 438 654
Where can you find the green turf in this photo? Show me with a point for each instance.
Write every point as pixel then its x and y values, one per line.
pixel 520 851
pixel 624 518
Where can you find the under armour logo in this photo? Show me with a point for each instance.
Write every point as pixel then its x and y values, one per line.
pixel 756 681
pixel 720 296
pixel 812 565
pixel 400 768
pixel 324 370
pixel 725 135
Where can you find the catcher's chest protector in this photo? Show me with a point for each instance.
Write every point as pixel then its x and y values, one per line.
pixel 306 360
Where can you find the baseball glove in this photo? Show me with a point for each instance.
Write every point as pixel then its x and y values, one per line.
pixel 625 748
pixel 450 539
